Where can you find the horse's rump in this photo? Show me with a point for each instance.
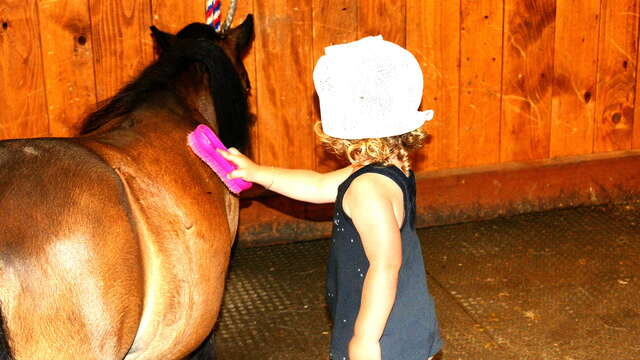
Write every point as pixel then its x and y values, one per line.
pixel 67 239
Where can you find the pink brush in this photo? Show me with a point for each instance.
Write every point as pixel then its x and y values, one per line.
pixel 205 143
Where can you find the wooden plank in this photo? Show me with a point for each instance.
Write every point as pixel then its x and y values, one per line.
pixel 172 16
pixel 506 189
pixel 616 75
pixel 527 79
pixel 284 84
pixel 458 195
pixel 433 36
pixel 480 81
pixel 636 123
pixel 574 84
pixel 22 96
pixel 334 22
pixel 67 54
pixel 121 41
pixel 387 18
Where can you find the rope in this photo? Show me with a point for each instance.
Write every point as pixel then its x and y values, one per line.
pixel 213 13
pixel 230 15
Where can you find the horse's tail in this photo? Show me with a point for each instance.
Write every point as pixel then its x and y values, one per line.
pixel 5 351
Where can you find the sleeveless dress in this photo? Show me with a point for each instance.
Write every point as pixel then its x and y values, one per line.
pixel 412 330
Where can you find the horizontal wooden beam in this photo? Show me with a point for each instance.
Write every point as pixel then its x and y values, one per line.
pixel 460 195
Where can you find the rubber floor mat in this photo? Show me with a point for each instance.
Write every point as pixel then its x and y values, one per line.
pixel 558 285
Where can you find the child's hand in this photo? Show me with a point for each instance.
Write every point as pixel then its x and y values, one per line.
pixel 245 168
pixel 364 349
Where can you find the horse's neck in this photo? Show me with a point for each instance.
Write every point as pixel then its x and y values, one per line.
pixel 193 88
pixel 186 105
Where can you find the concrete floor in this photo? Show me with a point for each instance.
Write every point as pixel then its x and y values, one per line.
pixel 560 285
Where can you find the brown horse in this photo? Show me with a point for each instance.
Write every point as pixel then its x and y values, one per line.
pixel 115 244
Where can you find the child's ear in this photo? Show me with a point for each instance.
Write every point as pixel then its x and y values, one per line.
pixel 164 41
pixel 241 35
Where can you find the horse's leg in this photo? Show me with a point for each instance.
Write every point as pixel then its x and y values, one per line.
pixel 206 350
pixel 5 351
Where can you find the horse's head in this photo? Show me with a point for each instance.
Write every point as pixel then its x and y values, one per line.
pixel 234 42
pixel 202 70
pixel 219 63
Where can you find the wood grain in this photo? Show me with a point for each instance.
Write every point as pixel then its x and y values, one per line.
pixel 334 22
pixel 23 110
pixel 59 56
pixel 284 85
pixel 67 55
pixel 383 17
pixel 616 75
pixel 121 41
pixel 172 16
pixel 574 84
pixel 480 82
pixel 433 36
pixel 636 123
pixel 527 79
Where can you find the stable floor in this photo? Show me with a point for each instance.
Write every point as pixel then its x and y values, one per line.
pixel 559 285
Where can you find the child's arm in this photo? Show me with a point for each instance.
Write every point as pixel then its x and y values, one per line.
pixel 304 185
pixel 370 202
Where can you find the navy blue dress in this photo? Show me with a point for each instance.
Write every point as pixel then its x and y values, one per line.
pixel 412 330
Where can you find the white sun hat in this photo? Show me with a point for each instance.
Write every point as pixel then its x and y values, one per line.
pixel 369 88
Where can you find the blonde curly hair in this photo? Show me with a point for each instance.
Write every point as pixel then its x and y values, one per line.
pixel 374 150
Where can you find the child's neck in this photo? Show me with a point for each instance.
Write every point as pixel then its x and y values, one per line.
pixel 395 162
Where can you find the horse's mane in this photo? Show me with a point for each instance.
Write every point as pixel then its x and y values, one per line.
pixel 227 91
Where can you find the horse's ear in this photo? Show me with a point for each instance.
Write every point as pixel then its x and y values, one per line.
pixel 240 36
pixel 164 41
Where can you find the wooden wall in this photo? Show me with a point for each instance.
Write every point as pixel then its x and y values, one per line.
pixel 510 80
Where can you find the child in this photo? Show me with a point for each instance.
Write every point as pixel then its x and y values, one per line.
pixel 369 93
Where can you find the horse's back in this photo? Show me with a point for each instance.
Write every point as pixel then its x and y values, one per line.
pixel 67 234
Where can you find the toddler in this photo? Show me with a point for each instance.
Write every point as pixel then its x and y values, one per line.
pixel 369 93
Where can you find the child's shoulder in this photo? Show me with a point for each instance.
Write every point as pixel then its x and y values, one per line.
pixel 375 198
pixel 371 188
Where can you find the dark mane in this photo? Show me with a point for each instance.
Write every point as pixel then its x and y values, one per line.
pixel 227 91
